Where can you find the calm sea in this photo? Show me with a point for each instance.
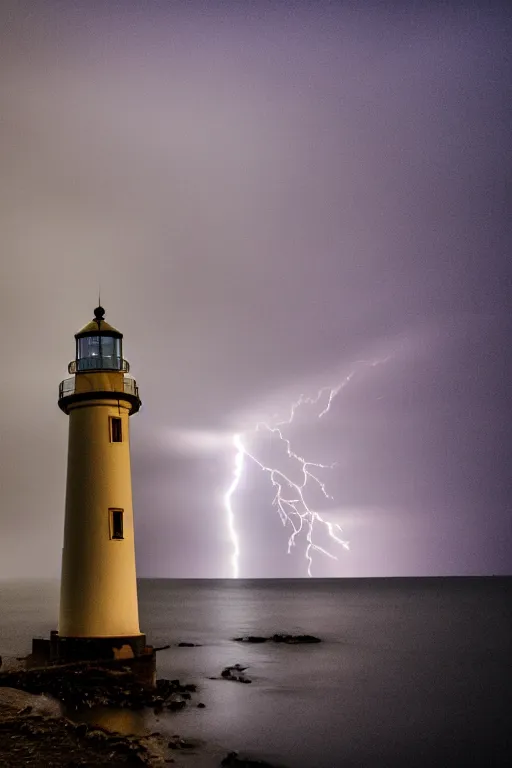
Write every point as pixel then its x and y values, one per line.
pixel 414 672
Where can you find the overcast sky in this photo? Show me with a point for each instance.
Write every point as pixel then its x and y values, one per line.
pixel 267 193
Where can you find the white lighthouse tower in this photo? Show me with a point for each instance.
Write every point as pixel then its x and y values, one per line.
pixel 99 615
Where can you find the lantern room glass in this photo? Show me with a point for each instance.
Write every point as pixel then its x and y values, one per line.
pixel 99 353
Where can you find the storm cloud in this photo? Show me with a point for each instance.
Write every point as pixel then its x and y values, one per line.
pixel 266 193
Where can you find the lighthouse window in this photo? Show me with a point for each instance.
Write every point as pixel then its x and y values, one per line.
pixel 116 524
pixel 110 347
pixel 89 346
pixel 116 430
pixel 99 353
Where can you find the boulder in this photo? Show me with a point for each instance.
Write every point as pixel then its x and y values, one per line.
pixel 235 672
pixel 178 743
pixel 81 730
pixel 96 735
pixel 295 639
pixel 278 638
pixel 176 702
pixel 233 760
pixel 16 702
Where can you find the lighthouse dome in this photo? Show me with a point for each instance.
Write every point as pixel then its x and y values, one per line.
pixel 98 325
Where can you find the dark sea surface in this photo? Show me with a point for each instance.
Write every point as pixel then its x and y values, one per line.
pixel 414 672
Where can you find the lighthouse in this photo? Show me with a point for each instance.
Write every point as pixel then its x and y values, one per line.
pixel 98 617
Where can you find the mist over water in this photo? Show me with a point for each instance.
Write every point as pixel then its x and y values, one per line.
pixel 411 671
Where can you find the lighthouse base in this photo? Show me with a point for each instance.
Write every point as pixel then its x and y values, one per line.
pixel 131 651
pixel 69 649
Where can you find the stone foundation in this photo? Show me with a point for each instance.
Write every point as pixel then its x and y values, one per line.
pixel 129 652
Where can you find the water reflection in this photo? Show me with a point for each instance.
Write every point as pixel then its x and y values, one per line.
pixel 125 721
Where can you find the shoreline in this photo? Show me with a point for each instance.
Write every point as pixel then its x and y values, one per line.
pixel 33 733
pixel 34 730
pixel 33 726
pixel 31 702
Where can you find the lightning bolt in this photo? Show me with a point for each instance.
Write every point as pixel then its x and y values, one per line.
pixel 237 474
pixel 289 498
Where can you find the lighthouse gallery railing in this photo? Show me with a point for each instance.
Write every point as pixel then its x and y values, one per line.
pixel 67 387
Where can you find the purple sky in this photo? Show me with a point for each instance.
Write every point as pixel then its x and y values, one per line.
pixel 267 193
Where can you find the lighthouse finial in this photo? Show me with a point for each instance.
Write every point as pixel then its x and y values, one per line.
pixel 99 313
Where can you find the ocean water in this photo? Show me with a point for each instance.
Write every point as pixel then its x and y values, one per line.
pixel 414 672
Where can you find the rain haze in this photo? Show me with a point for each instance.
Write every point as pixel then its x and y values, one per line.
pixel 267 194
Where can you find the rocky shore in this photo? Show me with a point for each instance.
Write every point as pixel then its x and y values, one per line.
pixel 91 684
pixel 33 734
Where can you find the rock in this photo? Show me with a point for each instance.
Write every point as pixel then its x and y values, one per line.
pixel 189 645
pixel 176 704
pixel 81 730
pixel 278 638
pixel 96 735
pixel 201 705
pixel 295 639
pixel 13 700
pixel 232 760
pixel 178 743
pixel 235 672
pixel 85 684
pixel 55 741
